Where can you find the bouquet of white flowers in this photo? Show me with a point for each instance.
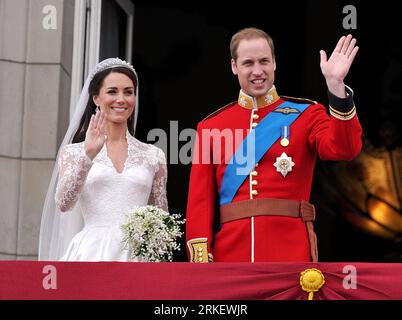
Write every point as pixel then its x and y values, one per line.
pixel 151 233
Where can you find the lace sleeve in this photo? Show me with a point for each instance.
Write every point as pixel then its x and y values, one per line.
pixel 74 166
pixel 158 192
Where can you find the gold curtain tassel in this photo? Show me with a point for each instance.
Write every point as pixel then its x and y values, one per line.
pixel 311 280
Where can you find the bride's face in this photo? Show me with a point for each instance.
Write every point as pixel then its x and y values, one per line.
pixel 116 97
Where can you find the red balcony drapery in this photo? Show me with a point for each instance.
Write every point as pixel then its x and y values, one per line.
pixel 26 280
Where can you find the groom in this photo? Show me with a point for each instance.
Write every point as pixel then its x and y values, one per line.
pixel 264 214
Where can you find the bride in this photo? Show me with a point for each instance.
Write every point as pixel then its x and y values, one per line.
pixel 102 172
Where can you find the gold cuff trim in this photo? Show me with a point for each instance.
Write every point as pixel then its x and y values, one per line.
pixel 343 118
pixel 198 248
pixel 344 114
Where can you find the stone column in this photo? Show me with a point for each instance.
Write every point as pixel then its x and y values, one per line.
pixel 36 40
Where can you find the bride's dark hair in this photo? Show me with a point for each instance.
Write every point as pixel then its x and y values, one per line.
pixel 93 90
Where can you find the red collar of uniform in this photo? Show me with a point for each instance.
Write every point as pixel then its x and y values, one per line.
pixel 250 102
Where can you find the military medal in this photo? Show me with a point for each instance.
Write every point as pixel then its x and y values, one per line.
pixel 284 164
pixel 285 136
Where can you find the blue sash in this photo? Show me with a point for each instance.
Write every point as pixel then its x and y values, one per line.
pixel 255 145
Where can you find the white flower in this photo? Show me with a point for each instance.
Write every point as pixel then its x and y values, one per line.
pixel 151 233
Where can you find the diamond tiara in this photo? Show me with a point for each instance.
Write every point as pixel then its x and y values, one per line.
pixel 111 63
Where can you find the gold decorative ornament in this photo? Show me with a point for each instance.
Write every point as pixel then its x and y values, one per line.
pixel 311 280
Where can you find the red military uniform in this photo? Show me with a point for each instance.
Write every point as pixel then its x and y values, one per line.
pixel 263 238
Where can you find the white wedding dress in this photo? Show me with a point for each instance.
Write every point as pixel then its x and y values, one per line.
pixel 105 197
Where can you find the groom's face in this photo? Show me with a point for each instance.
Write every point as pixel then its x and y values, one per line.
pixel 255 66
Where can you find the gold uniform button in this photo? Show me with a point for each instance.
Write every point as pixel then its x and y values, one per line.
pixel 254 124
pixel 254 192
pixel 200 255
pixel 256 116
pixel 254 182
pixel 200 259
pixel 199 249
pixel 254 173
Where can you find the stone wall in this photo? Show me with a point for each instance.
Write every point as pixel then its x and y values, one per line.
pixel 36 44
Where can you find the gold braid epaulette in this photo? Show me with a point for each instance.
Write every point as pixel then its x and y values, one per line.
pixel 299 100
pixel 220 110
